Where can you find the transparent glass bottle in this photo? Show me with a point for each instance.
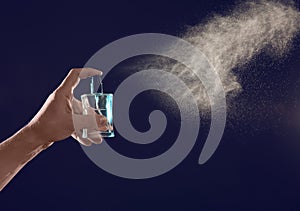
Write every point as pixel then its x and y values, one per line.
pixel 100 103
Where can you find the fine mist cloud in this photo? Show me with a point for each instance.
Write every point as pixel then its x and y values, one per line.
pixel 233 40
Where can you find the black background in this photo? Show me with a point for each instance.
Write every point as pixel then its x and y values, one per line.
pixel 255 167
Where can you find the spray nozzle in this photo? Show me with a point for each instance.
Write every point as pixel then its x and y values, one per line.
pixel 96 85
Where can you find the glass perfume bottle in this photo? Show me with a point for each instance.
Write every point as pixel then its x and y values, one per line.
pixel 99 102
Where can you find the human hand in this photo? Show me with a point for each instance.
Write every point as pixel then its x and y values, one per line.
pixel 56 119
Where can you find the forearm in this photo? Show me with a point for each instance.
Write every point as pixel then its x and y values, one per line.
pixel 18 150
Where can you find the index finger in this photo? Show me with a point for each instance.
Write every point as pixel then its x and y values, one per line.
pixel 74 76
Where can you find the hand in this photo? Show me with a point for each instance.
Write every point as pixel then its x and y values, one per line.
pixel 56 119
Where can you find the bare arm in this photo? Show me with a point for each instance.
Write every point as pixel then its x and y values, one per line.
pixel 18 150
pixel 52 123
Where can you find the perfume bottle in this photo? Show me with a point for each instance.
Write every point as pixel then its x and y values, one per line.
pixel 100 103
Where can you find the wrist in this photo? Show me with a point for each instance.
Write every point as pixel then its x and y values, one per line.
pixel 34 138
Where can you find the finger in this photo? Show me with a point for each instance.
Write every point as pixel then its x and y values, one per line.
pixel 74 76
pixel 83 141
pixel 95 137
pixel 110 127
pixel 102 122
pixel 84 122
pixel 89 72
pixel 77 107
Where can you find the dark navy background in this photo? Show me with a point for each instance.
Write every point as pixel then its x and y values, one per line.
pixel 255 167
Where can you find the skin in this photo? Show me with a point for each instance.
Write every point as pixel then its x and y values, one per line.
pixel 54 122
